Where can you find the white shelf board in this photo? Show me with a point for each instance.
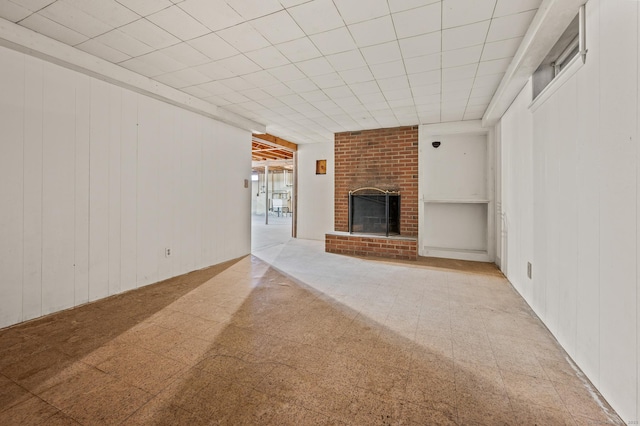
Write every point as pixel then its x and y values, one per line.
pixel 453 201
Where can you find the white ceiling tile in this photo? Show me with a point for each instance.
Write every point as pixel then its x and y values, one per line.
pixel 234 97
pixel 179 23
pixel 328 107
pixel 421 45
pixel 313 67
pixel 261 78
pixel 417 21
pixel 277 90
pixel 239 65
pixel 150 34
pixel 480 100
pixel 196 91
pixel 123 42
pixel 465 36
pixel 291 3
pixel 326 81
pixel 476 108
pixel 449 86
pixel 299 50
pixel 46 26
pixel 338 92
pixel 75 19
pixel 388 69
pixel 510 7
pixel 170 79
pixel 447 116
pixel 243 37
pixel 473 115
pixel 214 70
pixel 213 47
pixel 424 94
pixel 423 63
pixel 12 11
pixel 317 16
pixel 110 12
pixel 510 26
pixel 161 61
pixel 425 78
pixel 286 73
pixel 365 88
pixel 356 75
pixel 382 53
pixel 393 83
pixel 33 5
pixel 251 9
pixel 214 14
pixel 400 5
pixel 501 49
pixel 372 98
pixel 353 11
pixel 375 31
pixel 496 66
pixel 102 51
pixel 278 27
pixel 429 117
pixel 237 83
pixel 141 67
pixel 346 60
pixel 460 73
pixel 334 41
pixel 456 13
pixel 456 58
pixel 255 94
pixel 269 57
pixel 397 94
pixel 482 91
pixel 292 99
pixel 191 76
pixel 186 54
pixel 215 88
pixel 145 7
pixel 301 86
pixel 314 96
pixel 491 80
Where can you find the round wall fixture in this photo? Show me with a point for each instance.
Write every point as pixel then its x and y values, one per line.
pixel 435 144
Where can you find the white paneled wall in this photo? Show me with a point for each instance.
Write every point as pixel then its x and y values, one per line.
pixel 315 192
pixel 570 194
pixel 97 181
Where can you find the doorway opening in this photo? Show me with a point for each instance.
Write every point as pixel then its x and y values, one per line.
pixel 273 191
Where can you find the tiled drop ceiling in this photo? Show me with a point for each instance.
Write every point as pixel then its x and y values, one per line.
pixel 304 68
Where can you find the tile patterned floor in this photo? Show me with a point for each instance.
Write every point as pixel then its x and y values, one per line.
pixel 293 335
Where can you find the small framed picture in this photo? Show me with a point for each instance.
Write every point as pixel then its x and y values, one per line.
pixel 321 167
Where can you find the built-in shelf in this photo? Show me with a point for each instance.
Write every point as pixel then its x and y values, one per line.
pixel 451 201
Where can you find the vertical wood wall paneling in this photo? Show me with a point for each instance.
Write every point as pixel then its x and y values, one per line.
pixel 33 139
pixel 58 203
pixel 99 192
pixel 82 181
pixel 618 244
pixel 115 134
pixel 128 190
pixel 12 99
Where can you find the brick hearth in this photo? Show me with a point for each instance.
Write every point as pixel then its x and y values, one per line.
pixel 382 158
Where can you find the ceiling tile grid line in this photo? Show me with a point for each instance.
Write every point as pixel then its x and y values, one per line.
pixel 380 63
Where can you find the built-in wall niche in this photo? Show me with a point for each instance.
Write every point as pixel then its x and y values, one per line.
pixel 456 191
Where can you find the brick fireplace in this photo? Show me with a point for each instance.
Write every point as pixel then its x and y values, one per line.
pixel 386 159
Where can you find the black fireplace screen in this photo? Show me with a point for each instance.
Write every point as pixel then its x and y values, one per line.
pixel 374 211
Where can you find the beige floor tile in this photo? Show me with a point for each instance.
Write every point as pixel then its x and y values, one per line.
pixel 331 340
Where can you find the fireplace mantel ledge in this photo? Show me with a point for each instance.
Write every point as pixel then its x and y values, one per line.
pixel 376 236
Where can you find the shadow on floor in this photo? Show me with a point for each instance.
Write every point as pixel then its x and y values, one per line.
pixel 243 343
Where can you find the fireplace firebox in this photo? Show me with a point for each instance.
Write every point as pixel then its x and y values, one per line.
pixel 374 211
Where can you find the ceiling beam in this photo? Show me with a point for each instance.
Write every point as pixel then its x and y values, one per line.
pixel 547 26
pixel 276 140
pixel 24 40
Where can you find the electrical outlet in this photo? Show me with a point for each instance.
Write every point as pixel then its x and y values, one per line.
pixel 529 267
pixel 167 252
